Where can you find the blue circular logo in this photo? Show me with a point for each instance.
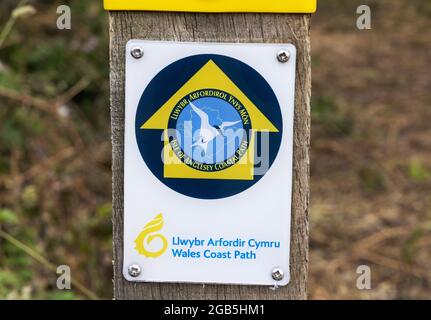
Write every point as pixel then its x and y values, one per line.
pixel 210 132
pixel 208 126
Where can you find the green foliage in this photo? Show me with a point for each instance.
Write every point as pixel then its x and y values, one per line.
pixel 9 79
pixel 423 7
pixel 15 269
pixel 8 216
pixel 11 134
pixel 371 179
pixel 18 124
pixel 54 153
pixel 59 295
pixel 29 197
pixel 410 248
pixel 417 171
pixel 9 281
pixel 330 117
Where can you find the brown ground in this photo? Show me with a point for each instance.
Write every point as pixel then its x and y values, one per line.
pixel 371 152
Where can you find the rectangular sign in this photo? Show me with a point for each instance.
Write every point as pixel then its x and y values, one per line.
pixel 208 162
pixel 287 6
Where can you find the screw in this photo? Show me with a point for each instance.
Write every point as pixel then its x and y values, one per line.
pixel 277 274
pixel 283 56
pixel 134 270
pixel 137 52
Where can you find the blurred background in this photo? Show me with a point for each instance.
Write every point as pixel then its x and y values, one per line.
pixel 371 150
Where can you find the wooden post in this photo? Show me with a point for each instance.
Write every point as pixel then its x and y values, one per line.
pixel 221 27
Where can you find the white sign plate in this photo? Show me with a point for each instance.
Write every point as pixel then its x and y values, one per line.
pixel 208 162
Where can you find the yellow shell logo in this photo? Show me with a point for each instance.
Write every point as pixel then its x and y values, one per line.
pixel 148 235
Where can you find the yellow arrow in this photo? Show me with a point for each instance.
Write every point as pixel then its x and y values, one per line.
pixel 209 76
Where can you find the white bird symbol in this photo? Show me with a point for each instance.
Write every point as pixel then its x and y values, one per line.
pixel 207 132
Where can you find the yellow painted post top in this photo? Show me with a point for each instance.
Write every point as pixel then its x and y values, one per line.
pixel 282 6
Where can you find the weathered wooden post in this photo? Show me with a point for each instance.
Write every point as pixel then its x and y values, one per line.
pixel 161 211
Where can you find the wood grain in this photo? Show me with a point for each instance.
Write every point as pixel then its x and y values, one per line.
pixel 238 27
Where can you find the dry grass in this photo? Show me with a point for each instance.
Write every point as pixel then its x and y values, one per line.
pixel 371 153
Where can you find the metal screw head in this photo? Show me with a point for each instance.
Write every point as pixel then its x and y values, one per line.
pixel 283 56
pixel 137 52
pixel 277 274
pixel 134 270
